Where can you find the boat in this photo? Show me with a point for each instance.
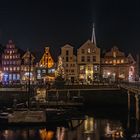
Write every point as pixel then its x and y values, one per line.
pixel 4 116
pixel 27 116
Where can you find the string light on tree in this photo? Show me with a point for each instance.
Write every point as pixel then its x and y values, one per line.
pixel 60 68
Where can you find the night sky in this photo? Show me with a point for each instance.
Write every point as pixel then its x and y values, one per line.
pixel 36 24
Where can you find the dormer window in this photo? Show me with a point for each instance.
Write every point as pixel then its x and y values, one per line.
pixel 89 50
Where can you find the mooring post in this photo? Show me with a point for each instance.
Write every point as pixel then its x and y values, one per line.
pixel 57 96
pixel 68 95
pixel 79 94
pixel 128 119
pixel 137 111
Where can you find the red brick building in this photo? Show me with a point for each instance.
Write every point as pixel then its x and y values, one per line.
pixel 11 64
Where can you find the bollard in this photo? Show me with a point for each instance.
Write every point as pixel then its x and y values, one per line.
pixel 128 119
pixel 137 111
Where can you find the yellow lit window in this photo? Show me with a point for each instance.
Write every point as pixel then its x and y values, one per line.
pixel 89 50
pixel 122 60
pixel 118 61
pixel 114 62
pixel 114 54
pixel 17 68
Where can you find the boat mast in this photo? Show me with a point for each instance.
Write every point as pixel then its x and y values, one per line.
pixel 29 84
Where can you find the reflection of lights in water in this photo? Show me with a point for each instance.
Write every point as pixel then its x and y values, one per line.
pixel 24 134
pixel 7 134
pixel 46 135
pixel 89 124
pixel 113 132
pixel 60 133
pixel 108 131
pixel 88 138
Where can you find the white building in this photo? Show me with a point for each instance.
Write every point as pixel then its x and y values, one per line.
pixel 69 63
pixel 88 60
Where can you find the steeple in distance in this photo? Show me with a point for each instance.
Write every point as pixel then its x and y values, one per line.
pixel 93 38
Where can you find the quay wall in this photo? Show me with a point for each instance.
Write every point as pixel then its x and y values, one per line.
pixel 92 98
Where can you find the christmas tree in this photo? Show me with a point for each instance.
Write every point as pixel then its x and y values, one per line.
pixel 60 68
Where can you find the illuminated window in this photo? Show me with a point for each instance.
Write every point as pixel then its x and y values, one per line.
pixel 14 76
pixel 14 68
pixel 89 68
pixel 10 76
pixel 10 68
pixel 44 71
pixel 10 57
pixel 18 68
pixel 118 61
pixel 18 77
pixel 122 60
pixel 38 71
pixel 10 52
pixel 114 62
pixel 106 62
pixel 93 50
pixel 96 68
pixel 110 62
pixel 82 69
pixel 114 54
pixel 88 50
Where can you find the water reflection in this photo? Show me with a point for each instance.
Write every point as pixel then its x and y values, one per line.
pixel 46 135
pixel 90 129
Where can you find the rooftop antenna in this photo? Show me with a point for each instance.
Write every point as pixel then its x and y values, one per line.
pixel 93 38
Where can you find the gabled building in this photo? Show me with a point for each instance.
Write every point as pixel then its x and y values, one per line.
pixel 47 60
pixel 88 60
pixel 45 69
pixel 69 63
pixel 117 66
pixel 26 67
pixel 11 64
